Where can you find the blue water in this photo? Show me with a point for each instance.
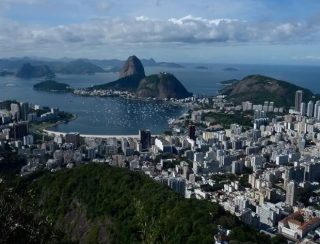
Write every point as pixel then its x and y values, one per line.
pixel 119 116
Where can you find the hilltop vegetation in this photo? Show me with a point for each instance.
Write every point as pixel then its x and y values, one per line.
pixel 96 203
pixel 259 88
pixel 19 223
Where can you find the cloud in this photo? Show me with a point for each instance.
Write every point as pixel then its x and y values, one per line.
pixel 185 30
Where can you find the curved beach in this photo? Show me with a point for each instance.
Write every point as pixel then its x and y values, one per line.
pixel 57 133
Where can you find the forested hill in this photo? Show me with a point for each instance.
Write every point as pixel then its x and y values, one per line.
pixel 259 88
pixel 100 204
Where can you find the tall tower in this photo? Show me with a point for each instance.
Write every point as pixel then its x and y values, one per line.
pixel 291 193
pixel 303 109
pixel 298 100
pixel 192 132
pixel 315 109
pixel 24 110
pixel 310 109
pixel 15 111
pixel 145 139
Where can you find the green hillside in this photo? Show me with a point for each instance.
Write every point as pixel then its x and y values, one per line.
pixel 129 83
pixel 96 203
pixel 259 88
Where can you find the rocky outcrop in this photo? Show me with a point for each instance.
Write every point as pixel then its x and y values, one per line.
pixel 132 66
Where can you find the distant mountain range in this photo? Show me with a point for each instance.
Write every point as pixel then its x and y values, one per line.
pixel 132 78
pixel 12 66
pixel 28 71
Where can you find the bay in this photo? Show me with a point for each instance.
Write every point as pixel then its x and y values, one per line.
pixel 117 116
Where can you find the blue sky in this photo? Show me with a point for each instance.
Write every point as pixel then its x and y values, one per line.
pixel 218 31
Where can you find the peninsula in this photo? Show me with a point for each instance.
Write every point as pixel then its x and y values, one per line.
pixel 134 83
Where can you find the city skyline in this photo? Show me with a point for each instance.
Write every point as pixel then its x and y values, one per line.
pixel 264 32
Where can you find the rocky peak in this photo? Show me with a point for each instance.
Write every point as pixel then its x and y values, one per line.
pixel 132 66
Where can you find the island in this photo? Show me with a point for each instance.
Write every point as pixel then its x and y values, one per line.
pixel 6 73
pixel 202 67
pixel 230 69
pixel 170 65
pixel 52 86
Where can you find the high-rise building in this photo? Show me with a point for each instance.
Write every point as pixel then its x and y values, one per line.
pixel 15 111
pixel 269 214
pixel 310 109
pixel 303 109
pixel 145 139
pixel 271 107
pixel 73 138
pixel 265 106
pixel 291 193
pixel 20 130
pixel 192 132
pixel 24 111
pixel 298 100
pixel 28 140
pixel 316 107
pixel 178 185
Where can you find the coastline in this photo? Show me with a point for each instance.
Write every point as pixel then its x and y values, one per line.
pixel 57 133
pixel 135 98
pixel 44 127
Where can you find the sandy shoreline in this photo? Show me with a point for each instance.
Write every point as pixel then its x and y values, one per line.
pixel 57 133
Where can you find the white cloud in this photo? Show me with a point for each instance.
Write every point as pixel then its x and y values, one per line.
pixel 189 29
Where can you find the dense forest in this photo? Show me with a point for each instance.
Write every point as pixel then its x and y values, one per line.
pixel 101 204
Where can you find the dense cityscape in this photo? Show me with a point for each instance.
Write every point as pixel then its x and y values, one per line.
pixel 266 174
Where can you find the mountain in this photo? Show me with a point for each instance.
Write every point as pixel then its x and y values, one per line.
pixel 163 85
pixel 149 62
pixel 107 63
pixel 52 86
pixel 132 78
pixel 100 204
pixel 132 66
pixel 66 65
pixel 31 71
pixel 259 88
pixel 80 66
